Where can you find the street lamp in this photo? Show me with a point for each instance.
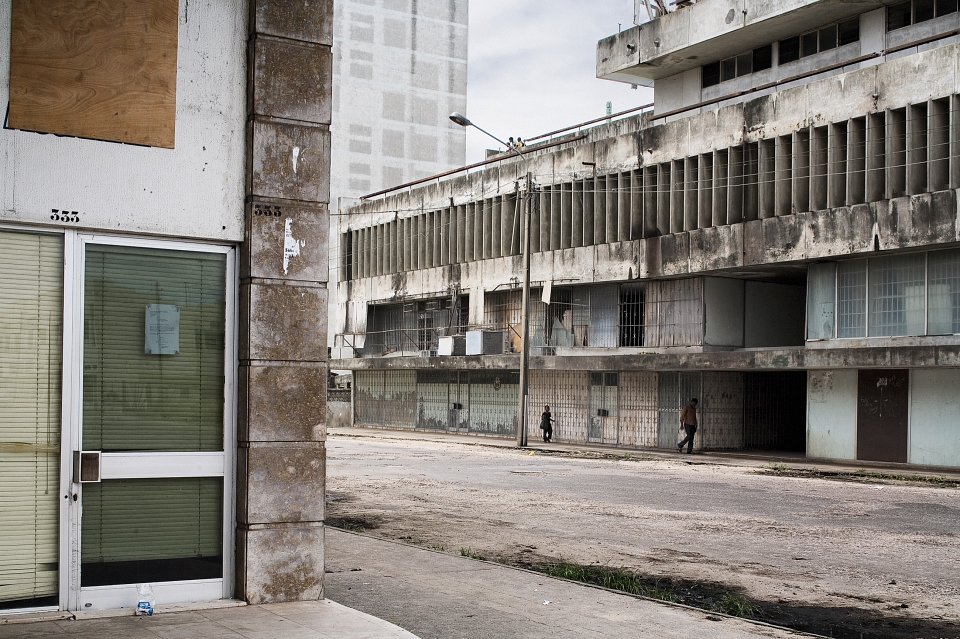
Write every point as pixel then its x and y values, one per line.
pixel 463 121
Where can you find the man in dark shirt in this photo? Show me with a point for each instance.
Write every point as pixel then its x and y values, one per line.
pixel 688 421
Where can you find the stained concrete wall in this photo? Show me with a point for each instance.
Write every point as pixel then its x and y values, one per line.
pixel 723 300
pixel 281 461
pixel 934 421
pixel 773 314
pixel 832 414
pixel 194 190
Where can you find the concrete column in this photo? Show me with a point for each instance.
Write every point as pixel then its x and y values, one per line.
pixel 477 208
pixel 705 195
pixel 545 220
pixel 555 217
pixel 566 214
pixel 720 187
pixel 281 456
pixel 636 204
pixel 587 188
pixel 496 226
pixel 783 171
pixel 623 207
pixel 576 225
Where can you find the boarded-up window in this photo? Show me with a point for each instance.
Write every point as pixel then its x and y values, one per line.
pixel 92 69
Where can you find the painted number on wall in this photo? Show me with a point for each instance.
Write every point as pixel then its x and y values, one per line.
pixel 64 216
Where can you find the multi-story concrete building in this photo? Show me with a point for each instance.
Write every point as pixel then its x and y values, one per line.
pixel 778 237
pixel 164 172
pixel 399 68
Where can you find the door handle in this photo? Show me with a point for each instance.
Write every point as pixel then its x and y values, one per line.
pixel 86 468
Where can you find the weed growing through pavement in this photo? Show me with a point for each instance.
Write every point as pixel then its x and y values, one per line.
pixel 472 554
pixel 861 475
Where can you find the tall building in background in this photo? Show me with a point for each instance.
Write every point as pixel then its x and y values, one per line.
pixel 400 68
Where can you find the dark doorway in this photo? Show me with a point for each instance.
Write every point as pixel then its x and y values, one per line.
pixel 775 411
pixel 882 407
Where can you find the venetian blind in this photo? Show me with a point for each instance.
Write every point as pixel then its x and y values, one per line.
pixel 31 312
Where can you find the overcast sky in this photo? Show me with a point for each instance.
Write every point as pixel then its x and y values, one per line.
pixel 532 66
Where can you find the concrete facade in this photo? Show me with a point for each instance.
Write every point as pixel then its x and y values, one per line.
pixel 781 242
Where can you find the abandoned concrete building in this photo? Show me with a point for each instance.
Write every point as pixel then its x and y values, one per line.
pixel 777 236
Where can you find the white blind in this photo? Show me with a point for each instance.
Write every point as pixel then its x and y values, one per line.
pixel 31 311
pixel 133 400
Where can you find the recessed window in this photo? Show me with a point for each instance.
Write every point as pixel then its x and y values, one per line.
pixel 849 31
pixel 729 68
pixel 789 49
pixel 906 13
pixel 823 39
pixel 898 16
pixel 828 37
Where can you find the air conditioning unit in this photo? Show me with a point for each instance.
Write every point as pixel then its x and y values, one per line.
pixel 452 345
pixel 485 342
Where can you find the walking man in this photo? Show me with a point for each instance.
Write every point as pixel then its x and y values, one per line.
pixel 688 422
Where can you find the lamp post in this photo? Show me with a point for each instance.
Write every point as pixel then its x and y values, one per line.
pixel 463 121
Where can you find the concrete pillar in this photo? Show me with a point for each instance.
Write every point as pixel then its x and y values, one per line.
pixel 555 216
pixel 705 195
pixel 496 226
pixel 281 457
pixel 623 207
pixel 566 214
pixel 545 219
pixel 636 204
pixel 587 188
pixel 477 208
pixel 576 225
pixel 783 171
pixel 720 187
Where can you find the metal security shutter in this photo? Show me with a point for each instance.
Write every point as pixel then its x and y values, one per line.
pixel 31 312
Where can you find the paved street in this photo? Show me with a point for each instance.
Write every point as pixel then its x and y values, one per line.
pixel 841 558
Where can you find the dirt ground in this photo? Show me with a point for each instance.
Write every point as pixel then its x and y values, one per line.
pixel 839 558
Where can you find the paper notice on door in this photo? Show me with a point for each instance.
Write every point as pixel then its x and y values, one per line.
pixel 162 330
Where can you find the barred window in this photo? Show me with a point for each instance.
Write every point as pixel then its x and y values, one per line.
pixel 897 296
pixel 852 298
pixel 943 312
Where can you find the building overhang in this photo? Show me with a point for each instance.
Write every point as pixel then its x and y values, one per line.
pixel 760 360
pixel 711 30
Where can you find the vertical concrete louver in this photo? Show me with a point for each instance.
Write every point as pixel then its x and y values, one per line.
pixel 281 460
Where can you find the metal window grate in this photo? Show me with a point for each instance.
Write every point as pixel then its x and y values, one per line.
pixel 943 313
pixel 897 296
pixel 852 299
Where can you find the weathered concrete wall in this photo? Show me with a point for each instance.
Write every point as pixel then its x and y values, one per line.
pixel 832 414
pixel 339 414
pixel 723 300
pixel 934 422
pixel 796 233
pixel 281 466
pixel 194 190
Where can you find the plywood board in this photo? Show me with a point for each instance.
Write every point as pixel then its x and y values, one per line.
pixel 93 69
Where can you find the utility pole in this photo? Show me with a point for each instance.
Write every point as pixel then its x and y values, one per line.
pixel 525 318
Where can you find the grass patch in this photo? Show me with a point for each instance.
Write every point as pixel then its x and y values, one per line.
pixel 351 524
pixel 862 476
pixel 472 554
pixel 704 595
pixel 613 578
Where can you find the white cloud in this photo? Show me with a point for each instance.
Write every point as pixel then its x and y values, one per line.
pixel 532 67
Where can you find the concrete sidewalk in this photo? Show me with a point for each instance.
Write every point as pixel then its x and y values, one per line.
pixel 444 596
pixel 300 620
pixel 732 458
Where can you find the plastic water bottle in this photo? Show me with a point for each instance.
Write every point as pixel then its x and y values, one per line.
pixel 145 600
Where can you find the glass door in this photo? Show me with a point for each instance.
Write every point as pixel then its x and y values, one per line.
pixel 155 392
